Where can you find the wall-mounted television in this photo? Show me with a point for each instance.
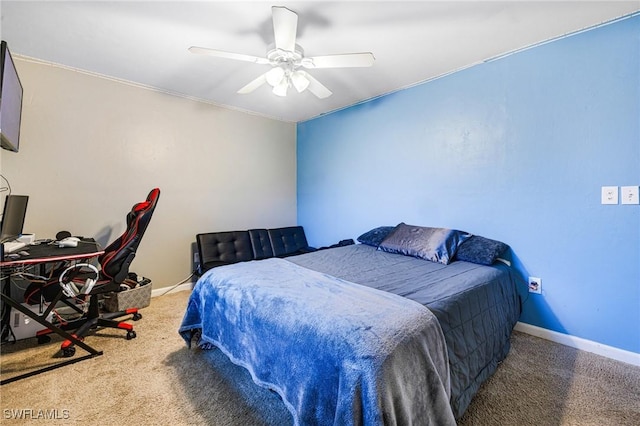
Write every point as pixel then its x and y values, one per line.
pixel 10 101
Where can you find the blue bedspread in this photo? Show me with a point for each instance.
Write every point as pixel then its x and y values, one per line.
pixel 337 352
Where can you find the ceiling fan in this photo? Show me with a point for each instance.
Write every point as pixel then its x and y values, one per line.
pixel 287 59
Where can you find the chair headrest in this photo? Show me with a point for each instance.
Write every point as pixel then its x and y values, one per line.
pixel 153 195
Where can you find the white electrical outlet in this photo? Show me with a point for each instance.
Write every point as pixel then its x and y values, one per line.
pixel 629 195
pixel 535 285
pixel 609 195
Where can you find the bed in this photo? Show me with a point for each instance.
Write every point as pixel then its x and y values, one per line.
pixel 360 335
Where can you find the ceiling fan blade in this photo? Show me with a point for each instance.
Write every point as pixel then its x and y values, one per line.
pixel 254 84
pixel 285 27
pixel 317 88
pixel 347 60
pixel 229 55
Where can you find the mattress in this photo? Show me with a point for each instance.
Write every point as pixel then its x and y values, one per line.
pixel 477 306
pixel 337 352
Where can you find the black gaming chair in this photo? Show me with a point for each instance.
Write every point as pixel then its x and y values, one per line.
pixel 114 270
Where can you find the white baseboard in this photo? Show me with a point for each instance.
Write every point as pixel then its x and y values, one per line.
pixel 580 343
pixel 163 290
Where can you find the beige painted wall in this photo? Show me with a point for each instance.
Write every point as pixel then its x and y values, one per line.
pixel 91 147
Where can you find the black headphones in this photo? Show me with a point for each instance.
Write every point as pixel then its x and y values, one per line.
pixel 62 235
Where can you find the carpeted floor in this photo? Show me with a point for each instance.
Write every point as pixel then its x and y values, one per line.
pixel 155 380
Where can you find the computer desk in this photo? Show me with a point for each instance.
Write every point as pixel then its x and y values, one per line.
pixel 40 255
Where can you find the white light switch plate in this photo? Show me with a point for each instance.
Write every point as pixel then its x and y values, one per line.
pixel 629 195
pixel 609 195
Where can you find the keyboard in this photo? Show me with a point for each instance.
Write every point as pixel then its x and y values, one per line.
pixel 11 246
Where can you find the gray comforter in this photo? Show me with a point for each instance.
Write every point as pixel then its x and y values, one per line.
pixel 477 306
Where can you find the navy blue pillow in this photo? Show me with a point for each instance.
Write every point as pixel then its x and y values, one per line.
pixel 480 250
pixel 434 244
pixel 375 236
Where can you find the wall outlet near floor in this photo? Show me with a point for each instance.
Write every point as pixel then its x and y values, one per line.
pixel 535 285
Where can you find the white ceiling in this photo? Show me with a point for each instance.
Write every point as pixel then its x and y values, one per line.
pixel 145 42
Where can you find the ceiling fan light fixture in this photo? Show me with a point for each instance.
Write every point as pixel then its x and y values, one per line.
pixel 275 76
pixel 281 88
pixel 286 57
pixel 299 81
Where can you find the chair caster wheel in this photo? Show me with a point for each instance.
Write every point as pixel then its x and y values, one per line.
pixel 44 339
pixel 137 316
pixel 131 334
pixel 69 352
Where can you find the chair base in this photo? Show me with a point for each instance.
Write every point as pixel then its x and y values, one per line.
pixel 103 321
pixel 94 320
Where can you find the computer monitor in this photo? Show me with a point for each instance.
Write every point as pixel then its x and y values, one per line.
pixel 15 210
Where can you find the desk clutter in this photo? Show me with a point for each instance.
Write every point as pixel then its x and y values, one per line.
pixel 17 250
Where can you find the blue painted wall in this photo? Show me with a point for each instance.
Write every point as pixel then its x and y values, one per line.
pixel 515 149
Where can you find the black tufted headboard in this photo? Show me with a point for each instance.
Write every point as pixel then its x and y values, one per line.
pixel 261 243
pixel 287 241
pixel 223 248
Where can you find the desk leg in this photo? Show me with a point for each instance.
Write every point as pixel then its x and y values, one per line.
pixel 57 330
